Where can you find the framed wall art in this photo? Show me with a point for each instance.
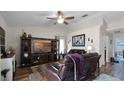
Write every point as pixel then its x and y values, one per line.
pixel 78 40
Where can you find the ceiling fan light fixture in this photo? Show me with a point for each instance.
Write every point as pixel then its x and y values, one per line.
pixel 60 19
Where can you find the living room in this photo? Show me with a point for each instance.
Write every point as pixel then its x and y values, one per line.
pixel 102 31
pixel 92 26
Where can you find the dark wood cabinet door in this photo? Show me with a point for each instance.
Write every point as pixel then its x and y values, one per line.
pixel 2 40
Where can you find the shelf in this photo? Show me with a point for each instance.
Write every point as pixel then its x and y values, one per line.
pixel 39 58
pixel 2 45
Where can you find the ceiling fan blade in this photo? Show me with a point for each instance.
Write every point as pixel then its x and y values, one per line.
pixel 85 15
pixel 51 18
pixel 70 17
pixel 65 22
pixel 55 23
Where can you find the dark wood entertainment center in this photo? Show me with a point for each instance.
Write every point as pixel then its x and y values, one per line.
pixel 30 58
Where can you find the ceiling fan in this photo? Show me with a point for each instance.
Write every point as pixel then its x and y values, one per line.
pixel 61 18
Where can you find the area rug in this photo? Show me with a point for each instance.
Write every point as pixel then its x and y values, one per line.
pixel 105 77
pixel 36 74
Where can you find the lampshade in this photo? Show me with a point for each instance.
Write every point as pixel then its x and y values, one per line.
pixel 89 48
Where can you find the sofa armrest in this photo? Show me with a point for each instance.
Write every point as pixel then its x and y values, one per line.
pixel 52 76
pixel 54 69
pixel 50 73
pixel 61 71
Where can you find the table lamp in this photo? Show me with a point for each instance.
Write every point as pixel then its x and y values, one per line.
pixel 89 48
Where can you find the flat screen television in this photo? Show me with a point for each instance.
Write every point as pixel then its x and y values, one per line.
pixel 41 46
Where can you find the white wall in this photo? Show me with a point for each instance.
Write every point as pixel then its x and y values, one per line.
pixel 105 38
pixel 91 32
pixel 118 35
pixel 90 27
pixel 14 33
pixel 3 23
pixel 111 44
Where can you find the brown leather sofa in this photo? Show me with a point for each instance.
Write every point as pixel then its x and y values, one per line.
pixel 92 63
pixel 86 67
pixel 79 51
pixel 66 72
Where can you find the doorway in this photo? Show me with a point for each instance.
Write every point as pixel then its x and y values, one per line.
pixel 119 50
pixel 62 47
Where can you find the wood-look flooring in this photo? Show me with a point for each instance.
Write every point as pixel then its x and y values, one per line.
pixel 22 74
pixel 34 74
pixel 29 74
pixel 116 70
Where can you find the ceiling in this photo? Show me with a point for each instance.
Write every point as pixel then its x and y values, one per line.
pixel 38 18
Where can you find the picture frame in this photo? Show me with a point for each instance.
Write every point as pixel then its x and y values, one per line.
pixel 78 40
